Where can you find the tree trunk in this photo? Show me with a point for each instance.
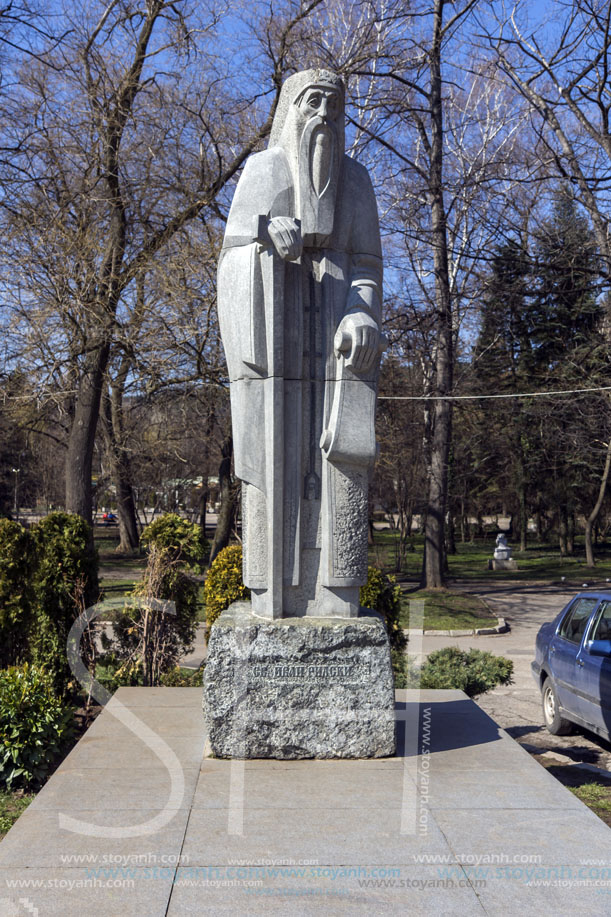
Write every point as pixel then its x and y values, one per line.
pixel 129 537
pixel 523 523
pixel 451 540
pixel 228 494
pixel 562 530
pixel 81 441
pixel 541 524
pixel 433 562
pixel 113 426
pixel 521 490
pixel 570 534
pixel 592 518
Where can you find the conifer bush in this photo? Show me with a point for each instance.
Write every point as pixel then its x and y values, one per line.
pixel 184 540
pixel 65 582
pixel 474 671
pixel 16 595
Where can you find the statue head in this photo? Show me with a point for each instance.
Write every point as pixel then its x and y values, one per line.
pixel 309 126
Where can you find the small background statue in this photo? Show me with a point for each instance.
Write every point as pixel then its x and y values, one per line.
pixel 502 550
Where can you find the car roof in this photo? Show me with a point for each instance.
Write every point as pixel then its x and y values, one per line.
pixel 593 595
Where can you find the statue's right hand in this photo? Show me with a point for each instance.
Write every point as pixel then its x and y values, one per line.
pixel 286 236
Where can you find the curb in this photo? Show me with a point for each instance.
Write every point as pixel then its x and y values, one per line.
pixel 501 628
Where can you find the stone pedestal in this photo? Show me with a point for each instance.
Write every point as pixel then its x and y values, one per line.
pixel 298 687
pixel 499 563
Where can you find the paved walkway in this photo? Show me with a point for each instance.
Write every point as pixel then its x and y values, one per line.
pixel 461 822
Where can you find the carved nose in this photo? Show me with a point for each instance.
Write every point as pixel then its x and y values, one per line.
pixel 323 108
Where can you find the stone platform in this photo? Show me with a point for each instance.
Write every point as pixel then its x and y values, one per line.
pixel 299 687
pixel 461 822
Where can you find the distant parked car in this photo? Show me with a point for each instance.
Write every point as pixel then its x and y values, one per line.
pixel 572 666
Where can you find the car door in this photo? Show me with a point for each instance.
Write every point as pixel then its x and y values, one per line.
pixel 594 672
pixel 564 652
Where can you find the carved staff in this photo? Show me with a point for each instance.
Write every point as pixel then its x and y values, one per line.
pixel 272 273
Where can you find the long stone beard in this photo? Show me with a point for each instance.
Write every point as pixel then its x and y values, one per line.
pixel 318 180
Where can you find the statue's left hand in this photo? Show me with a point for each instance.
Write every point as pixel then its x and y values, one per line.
pixel 358 338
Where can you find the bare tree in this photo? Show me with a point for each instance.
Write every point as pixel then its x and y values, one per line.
pixel 441 143
pixel 563 74
pixel 130 138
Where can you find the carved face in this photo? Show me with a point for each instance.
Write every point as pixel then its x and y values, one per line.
pixel 323 101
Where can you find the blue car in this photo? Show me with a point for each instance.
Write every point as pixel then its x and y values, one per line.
pixel 573 666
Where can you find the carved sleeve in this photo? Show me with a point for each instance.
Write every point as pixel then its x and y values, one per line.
pixel 365 293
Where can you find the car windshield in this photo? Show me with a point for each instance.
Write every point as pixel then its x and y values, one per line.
pixel 602 627
pixel 576 619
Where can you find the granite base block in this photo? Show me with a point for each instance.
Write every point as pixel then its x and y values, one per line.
pixel 495 564
pixel 298 687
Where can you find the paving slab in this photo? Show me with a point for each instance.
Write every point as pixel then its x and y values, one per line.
pixel 325 889
pixel 39 841
pixel 332 836
pixel 152 784
pixel 84 892
pixel 461 822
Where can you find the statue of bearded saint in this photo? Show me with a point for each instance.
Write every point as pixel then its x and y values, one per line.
pixel 299 299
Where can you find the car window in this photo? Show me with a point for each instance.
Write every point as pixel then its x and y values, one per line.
pixel 602 628
pixel 576 619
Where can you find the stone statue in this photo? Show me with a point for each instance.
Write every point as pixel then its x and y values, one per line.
pixel 502 550
pixel 299 300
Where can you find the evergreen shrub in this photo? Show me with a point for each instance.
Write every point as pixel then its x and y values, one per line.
pixel 34 726
pixel 381 593
pixel 16 597
pixel 184 540
pixel 224 583
pixel 474 671
pixel 65 583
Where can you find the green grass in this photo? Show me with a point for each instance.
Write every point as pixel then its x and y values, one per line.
pixel 540 562
pixel 596 796
pixel 446 610
pixel 11 807
pixel 117 586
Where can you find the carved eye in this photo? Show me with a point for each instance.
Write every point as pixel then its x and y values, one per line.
pixel 332 106
pixel 314 100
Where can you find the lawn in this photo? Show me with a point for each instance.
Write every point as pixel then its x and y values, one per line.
pixel 447 610
pixel 116 587
pixel 597 797
pixel 540 562
pixel 12 804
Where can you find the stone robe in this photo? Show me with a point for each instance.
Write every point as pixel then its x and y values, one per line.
pixel 303 423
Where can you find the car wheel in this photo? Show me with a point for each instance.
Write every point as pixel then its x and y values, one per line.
pixel 555 723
